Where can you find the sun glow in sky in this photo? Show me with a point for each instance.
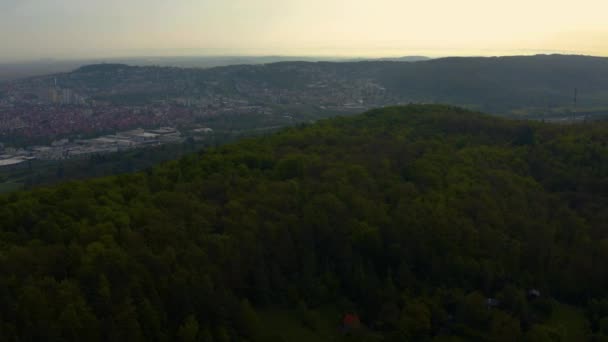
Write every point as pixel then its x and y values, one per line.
pixel 32 29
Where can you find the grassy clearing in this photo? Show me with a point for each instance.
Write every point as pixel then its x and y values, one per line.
pixel 10 186
pixel 286 325
pixel 569 322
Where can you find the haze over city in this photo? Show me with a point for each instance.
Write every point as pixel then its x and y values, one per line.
pixel 303 170
pixel 37 29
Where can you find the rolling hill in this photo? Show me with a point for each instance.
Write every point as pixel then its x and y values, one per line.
pixel 411 223
pixel 529 86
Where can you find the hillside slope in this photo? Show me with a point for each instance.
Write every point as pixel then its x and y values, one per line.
pixel 529 85
pixel 423 221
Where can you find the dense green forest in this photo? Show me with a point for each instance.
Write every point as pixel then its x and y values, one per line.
pixel 411 223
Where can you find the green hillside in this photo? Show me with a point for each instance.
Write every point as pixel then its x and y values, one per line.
pixel 526 86
pixel 424 222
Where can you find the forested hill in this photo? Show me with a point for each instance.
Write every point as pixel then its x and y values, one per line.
pixel 411 223
pixel 523 85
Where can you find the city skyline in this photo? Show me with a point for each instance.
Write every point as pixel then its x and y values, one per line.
pixel 65 29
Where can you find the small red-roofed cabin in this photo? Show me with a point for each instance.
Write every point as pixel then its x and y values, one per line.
pixel 351 322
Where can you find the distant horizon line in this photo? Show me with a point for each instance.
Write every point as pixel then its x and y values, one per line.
pixel 319 57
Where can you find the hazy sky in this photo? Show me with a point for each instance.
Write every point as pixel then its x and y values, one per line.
pixel 34 29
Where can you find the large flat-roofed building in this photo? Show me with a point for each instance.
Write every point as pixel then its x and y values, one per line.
pixel 164 130
pixel 11 161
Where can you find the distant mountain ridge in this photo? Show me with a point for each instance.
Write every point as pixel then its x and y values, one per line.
pixel 109 67
pixel 14 71
pixel 406 59
pixel 500 85
pixel 393 59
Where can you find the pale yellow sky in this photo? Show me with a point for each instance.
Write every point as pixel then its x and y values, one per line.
pixel 94 28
